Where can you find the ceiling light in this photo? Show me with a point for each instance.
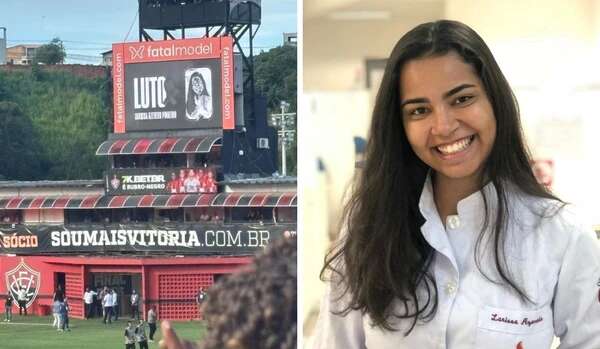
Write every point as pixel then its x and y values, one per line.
pixel 360 15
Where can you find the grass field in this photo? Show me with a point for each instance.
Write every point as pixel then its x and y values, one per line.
pixel 36 332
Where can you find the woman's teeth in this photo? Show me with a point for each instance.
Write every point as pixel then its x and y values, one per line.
pixel 455 147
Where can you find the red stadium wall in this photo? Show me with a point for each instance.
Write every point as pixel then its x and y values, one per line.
pixel 172 288
pixel 170 284
pixel 45 285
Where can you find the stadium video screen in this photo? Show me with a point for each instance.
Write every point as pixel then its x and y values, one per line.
pixel 173 84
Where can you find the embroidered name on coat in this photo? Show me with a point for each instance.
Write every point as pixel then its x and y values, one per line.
pixel 523 322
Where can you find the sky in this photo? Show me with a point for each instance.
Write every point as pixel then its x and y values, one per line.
pixel 89 27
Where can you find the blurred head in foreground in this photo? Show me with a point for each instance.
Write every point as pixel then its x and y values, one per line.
pixel 256 307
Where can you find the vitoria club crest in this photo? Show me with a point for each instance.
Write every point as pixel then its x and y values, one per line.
pixel 23 276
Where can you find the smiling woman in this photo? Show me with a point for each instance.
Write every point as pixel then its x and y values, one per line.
pixel 449 240
pixel 453 127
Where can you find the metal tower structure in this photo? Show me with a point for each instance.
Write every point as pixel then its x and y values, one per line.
pixel 244 149
pixel 239 19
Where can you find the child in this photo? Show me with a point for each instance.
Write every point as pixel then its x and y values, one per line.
pixel 55 314
pixel 65 315
pixel 62 309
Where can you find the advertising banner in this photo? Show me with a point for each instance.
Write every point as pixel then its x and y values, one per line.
pixel 179 238
pixel 173 84
pixel 141 181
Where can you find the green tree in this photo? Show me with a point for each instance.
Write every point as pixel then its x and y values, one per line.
pixel 276 78
pixel 18 149
pixel 275 74
pixel 69 116
pixel 3 93
pixel 51 53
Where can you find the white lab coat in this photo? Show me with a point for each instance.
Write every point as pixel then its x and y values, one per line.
pixel 556 261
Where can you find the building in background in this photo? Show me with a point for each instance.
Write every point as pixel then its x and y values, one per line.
pixel 290 39
pixel 107 58
pixel 2 45
pixel 73 235
pixel 21 54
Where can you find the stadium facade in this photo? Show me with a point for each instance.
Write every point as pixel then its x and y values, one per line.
pixel 175 209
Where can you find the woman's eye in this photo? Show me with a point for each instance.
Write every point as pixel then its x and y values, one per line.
pixel 462 99
pixel 420 111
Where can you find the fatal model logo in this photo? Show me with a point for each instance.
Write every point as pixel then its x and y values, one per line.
pixel 23 276
pixel 136 52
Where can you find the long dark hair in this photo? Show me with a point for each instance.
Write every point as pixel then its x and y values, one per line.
pixel 256 307
pixel 383 256
pixel 190 102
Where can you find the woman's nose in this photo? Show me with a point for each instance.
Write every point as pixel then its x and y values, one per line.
pixel 444 122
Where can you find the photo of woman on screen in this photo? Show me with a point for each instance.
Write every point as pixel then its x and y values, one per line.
pixel 198 98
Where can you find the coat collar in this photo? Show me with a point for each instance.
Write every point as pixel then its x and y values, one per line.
pixel 471 208
pixel 471 213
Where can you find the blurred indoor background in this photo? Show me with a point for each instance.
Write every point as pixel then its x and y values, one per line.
pixel 549 51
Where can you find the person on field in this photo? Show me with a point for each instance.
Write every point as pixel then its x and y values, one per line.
pixel 99 297
pixel 88 300
pixel 59 294
pixel 129 336
pixel 22 301
pixel 107 306
pixel 135 304
pixel 152 318
pixel 140 335
pixel 8 307
pixel 200 297
pixel 115 304
pixel 64 315
pixel 56 314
